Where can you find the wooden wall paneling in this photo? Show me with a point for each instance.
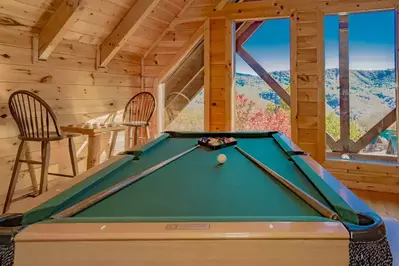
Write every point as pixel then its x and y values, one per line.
pixel 114 42
pixel 69 82
pixel 56 27
pixel 365 176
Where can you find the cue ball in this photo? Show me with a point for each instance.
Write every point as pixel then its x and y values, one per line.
pixel 222 158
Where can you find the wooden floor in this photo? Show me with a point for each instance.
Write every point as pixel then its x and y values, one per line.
pixel 385 204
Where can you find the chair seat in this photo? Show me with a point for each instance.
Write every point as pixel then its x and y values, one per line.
pixel 52 136
pixel 136 123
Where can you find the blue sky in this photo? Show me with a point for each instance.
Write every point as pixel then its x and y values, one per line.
pixel 371 43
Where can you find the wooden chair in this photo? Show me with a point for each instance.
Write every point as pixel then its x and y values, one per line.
pixel 36 122
pixel 137 115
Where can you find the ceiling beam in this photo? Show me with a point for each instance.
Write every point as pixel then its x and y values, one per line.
pixel 203 14
pixel 55 29
pixel 264 9
pixel 119 36
pixel 170 26
pixel 222 4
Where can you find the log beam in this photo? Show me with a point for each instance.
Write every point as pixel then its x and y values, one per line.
pixel 244 35
pixel 119 36
pixel 376 130
pixel 54 30
pixel 265 9
pixel 344 81
pixel 263 74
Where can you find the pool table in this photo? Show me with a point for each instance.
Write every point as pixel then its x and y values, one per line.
pixel 194 211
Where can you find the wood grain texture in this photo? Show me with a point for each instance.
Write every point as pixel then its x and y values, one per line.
pixel 114 42
pixel 69 82
pixel 190 252
pixel 56 27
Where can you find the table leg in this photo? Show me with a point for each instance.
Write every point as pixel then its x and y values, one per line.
pixel 127 138
pixel 94 150
pixel 114 136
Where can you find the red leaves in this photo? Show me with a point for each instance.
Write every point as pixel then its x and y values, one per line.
pixel 251 118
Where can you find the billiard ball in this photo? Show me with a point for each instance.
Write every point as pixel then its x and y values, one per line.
pixel 221 158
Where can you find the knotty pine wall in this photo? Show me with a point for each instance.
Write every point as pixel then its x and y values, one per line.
pixel 76 91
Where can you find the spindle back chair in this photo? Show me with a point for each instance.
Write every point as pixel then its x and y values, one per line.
pixel 36 122
pixel 137 114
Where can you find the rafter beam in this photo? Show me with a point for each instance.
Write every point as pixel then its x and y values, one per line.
pixel 263 74
pixel 222 4
pixel 170 26
pixel 55 29
pixel 248 32
pixel 183 52
pixel 119 36
pixel 374 132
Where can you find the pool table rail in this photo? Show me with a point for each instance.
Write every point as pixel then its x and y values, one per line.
pixel 371 227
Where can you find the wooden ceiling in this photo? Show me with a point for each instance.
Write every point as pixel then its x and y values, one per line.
pixel 152 29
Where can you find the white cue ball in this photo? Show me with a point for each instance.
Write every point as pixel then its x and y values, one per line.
pixel 222 158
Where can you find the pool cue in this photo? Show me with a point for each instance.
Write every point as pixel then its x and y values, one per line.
pixel 84 204
pixel 314 203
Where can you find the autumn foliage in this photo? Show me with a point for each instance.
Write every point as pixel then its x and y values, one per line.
pixel 252 118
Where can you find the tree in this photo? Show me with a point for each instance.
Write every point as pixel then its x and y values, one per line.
pixel 250 118
pixel 333 127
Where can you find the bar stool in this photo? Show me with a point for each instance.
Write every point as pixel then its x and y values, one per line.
pixel 37 123
pixel 137 115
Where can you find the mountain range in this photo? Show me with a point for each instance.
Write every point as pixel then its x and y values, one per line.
pixel 372 92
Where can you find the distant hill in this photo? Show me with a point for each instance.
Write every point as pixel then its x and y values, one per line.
pixel 372 93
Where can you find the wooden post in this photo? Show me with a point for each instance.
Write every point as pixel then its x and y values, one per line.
pixel 321 99
pixel 344 82
pixel 160 107
pixel 207 76
pixel 293 78
pixel 219 75
pixel 307 82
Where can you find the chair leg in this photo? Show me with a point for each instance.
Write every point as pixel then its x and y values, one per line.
pixel 72 155
pixel 147 131
pixel 45 164
pixel 127 138
pixel 136 136
pixel 114 136
pixel 14 176
pixel 31 171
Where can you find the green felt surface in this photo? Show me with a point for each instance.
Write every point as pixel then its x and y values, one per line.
pixel 195 188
